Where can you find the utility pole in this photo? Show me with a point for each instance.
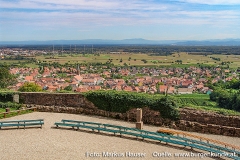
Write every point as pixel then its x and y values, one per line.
pixel 53 50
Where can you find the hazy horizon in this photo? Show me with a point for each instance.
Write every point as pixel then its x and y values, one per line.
pixel 44 20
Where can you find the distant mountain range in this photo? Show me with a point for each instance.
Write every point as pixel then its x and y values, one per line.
pixel 139 41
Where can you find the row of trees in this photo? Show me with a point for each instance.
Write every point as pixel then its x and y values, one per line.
pixel 227 94
pixel 226 99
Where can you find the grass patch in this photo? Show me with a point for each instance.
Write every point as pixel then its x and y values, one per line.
pixel 215 109
pixel 136 59
pixel 4 110
pixel 12 114
pixel 200 96
pixel 194 99
pixel 202 102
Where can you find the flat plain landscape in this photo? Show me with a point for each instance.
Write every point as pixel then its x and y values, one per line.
pixel 137 59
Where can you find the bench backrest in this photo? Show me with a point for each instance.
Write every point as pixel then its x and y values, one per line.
pixel 166 137
pixel 19 121
pixel 83 122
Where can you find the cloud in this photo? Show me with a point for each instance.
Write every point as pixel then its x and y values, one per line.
pixel 213 2
pixel 81 15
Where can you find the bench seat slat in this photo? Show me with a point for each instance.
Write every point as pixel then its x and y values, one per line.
pixel 23 123
pixel 164 137
pixel 84 122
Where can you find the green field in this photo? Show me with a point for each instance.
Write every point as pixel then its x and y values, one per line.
pixel 136 59
pixel 194 99
pixel 18 62
pixel 202 102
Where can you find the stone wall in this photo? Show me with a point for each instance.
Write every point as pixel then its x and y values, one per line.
pixel 206 128
pixel 203 117
pixel 55 99
pixel 190 119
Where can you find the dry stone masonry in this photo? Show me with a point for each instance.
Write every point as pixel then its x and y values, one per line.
pixel 190 119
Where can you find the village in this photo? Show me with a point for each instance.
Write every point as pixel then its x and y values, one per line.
pixel 133 79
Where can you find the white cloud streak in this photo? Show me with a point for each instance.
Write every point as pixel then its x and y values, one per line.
pixel 85 14
pixel 213 2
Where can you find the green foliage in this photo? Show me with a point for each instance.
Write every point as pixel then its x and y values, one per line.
pixel 15 113
pixel 5 92
pixel 167 107
pixel 227 94
pixel 193 99
pixel 226 99
pixel 216 109
pixel 30 87
pixel 6 95
pixel 120 101
pixel 233 84
pixel 64 91
pixel 6 98
pixel 144 60
pixel 215 58
pixel 178 61
pixel 6 78
pixel 68 88
pixel 10 105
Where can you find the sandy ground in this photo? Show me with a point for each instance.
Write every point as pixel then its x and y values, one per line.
pixel 49 143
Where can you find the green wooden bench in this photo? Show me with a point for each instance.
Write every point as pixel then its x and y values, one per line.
pixel 162 137
pixel 85 124
pixel 81 122
pixel 65 124
pixel 23 123
pixel 125 130
pixel 197 142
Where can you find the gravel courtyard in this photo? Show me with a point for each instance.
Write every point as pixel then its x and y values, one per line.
pixel 49 143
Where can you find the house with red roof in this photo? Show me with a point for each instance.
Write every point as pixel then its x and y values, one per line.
pixel 29 79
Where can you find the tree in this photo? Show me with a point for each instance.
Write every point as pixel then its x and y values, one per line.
pixel 167 108
pixel 68 88
pixel 6 78
pixel 30 87
pixel 178 61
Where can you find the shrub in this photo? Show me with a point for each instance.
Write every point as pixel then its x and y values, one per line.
pixel 121 101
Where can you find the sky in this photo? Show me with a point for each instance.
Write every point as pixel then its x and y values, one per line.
pixel 22 20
